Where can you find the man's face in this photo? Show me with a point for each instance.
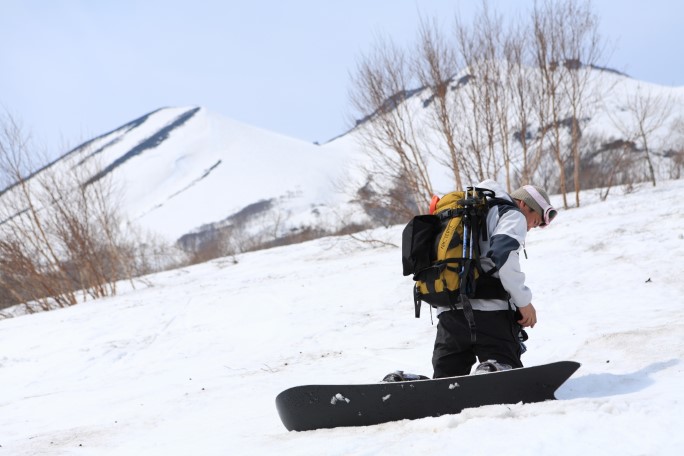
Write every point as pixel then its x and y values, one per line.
pixel 533 218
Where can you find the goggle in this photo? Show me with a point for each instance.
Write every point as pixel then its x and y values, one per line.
pixel 548 212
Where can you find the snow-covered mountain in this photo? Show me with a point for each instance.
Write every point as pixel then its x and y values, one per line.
pixel 189 361
pixel 182 168
pixel 613 109
pixel 184 171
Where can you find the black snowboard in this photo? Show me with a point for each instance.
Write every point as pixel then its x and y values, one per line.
pixel 304 408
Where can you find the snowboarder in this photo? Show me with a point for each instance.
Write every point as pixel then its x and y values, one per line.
pixel 499 322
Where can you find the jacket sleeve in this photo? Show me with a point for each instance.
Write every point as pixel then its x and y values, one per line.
pixel 505 244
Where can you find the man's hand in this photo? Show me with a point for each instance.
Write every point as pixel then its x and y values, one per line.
pixel 529 316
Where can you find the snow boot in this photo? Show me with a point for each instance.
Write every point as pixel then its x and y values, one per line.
pixel 491 365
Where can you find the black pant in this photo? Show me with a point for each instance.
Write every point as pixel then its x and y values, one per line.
pixel 454 353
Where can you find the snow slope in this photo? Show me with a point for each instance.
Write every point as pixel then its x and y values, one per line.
pixel 609 99
pixel 180 168
pixel 190 361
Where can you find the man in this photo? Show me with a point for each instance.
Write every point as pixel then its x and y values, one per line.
pixel 498 322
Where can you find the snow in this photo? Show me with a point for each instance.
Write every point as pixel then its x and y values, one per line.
pixel 211 167
pixel 190 361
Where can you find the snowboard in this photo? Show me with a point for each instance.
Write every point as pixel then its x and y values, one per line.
pixel 308 407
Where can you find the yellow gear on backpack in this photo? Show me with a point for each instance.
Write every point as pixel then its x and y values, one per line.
pixel 452 272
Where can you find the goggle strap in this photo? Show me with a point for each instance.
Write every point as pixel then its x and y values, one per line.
pixel 545 207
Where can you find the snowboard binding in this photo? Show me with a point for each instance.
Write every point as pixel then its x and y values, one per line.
pixel 401 376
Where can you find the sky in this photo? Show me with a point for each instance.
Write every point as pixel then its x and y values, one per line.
pixel 73 69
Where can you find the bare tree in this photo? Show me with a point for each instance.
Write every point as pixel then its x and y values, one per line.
pixel 27 253
pixel 607 163
pixel 516 111
pixel 494 35
pixel 675 152
pixel 581 49
pixel 393 137
pixel 479 128
pixel 524 87
pixel 436 66
pixel 547 23
pixel 567 47
pixel 647 111
pixel 57 234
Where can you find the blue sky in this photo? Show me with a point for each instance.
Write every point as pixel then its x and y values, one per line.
pixel 73 69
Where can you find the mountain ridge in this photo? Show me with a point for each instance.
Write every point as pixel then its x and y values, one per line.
pixel 184 170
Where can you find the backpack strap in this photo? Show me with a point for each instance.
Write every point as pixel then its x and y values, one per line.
pixel 492 285
pixel 496 201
